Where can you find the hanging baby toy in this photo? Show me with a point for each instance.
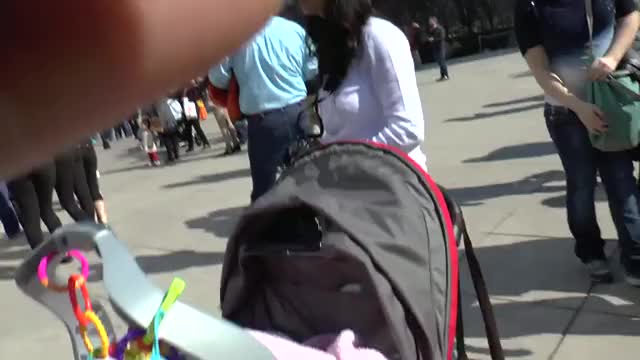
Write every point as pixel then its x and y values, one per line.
pixel 160 326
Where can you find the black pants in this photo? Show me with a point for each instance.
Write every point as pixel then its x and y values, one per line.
pixel 171 142
pixel 33 195
pixel 134 128
pixel 107 137
pixel 195 124
pixel 440 56
pixel 87 173
pixel 67 185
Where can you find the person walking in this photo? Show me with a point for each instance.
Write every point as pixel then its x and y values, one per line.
pixel 169 111
pixel 230 135
pixel 414 35
pixel 67 185
pixel 8 215
pixel 553 37
pixel 369 90
pixel 87 188
pixel 438 39
pixel 33 194
pixel 193 94
pixel 271 71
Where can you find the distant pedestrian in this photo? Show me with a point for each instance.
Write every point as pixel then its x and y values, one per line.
pixel 147 137
pixel 438 39
pixel 414 33
pixel 106 136
pixel 168 112
pixel 192 122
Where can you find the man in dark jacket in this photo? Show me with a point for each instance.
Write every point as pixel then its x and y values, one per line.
pixel 438 44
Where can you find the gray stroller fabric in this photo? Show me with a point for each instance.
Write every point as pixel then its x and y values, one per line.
pixel 351 237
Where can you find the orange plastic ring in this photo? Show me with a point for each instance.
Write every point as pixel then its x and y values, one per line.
pixel 102 333
pixel 78 281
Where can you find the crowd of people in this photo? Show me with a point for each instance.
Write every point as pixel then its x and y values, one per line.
pixel 27 199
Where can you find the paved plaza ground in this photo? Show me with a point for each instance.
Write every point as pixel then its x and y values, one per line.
pixel 486 142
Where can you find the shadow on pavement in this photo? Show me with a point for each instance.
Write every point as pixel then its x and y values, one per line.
pixel 537 183
pixel 520 75
pixel 559 202
pixel 520 151
pixel 212 178
pixel 14 253
pixel 508 353
pixel 487 115
pixel 150 264
pixel 188 158
pixel 11 254
pixel 537 98
pixel 132 151
pixel 537 286
pixel 220 223
pixel 168 263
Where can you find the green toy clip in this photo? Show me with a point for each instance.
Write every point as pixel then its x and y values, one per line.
pixel 175 290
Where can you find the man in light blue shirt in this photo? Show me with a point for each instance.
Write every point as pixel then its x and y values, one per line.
pixel 271 71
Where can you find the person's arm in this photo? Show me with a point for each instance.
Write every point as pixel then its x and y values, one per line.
pixel 309 66
pixel 530 42
pixel 220 75
pixel 396 88
pixel 626 30
pixel 551 84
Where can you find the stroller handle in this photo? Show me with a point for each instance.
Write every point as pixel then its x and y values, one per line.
pixel 136 299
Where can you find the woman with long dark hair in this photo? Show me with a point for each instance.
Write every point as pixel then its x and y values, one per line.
pixel 369 89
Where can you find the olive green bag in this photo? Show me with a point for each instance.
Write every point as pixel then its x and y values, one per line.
pixel 619 98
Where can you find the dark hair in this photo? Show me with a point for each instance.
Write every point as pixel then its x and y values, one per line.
pixel 291 11
pixel 337 38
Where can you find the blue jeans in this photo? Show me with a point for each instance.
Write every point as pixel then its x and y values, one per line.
pixel 271 134
pixel 581 163
pixel 7 214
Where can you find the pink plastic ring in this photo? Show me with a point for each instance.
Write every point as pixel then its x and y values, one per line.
pixel 44 264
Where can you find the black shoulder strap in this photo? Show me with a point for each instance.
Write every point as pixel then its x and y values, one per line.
pixel 491 328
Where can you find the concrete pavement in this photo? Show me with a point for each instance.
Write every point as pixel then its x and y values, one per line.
pixel 486 142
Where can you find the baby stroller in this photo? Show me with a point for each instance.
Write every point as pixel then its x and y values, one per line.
pixel 355 236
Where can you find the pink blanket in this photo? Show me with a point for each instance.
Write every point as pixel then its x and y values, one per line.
pixel 342 347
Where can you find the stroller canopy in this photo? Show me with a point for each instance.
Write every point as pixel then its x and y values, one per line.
pixel 343 204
